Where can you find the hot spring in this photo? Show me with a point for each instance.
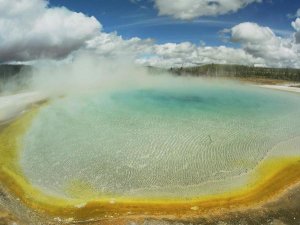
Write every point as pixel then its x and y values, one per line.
pixel 169 142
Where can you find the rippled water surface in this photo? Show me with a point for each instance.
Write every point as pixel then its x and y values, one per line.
pixel 162 142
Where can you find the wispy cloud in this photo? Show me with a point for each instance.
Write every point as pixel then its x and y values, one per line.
pixel 162 21
pixel 284 33
pixel 292 16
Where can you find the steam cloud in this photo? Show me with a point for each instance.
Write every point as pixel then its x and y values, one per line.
pixel 85 73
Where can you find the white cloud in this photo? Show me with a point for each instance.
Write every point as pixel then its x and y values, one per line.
pixel 30 30
pixel 296 25
pixel 146 52
pixel 251 33
pixel 188 54
pixel 111 44
pixel 259 46
pixel 191 9
pixel 263 43
pixel 167 55
pixel 21 8
pixel 135 1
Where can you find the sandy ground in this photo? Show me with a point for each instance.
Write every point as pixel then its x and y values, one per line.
pixel 284 87
pixel 7 218
pixel 284 210
pixel 13 106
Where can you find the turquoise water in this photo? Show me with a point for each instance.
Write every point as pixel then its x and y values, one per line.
pixel 162 142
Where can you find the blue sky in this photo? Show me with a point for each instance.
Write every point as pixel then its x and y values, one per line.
pixel 164 33
pixel 141 20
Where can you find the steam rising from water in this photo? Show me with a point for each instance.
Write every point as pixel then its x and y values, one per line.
pixel 84 73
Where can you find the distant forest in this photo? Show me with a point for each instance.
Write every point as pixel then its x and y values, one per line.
pixel 8 72
pixel 239 71
pixel 12 77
